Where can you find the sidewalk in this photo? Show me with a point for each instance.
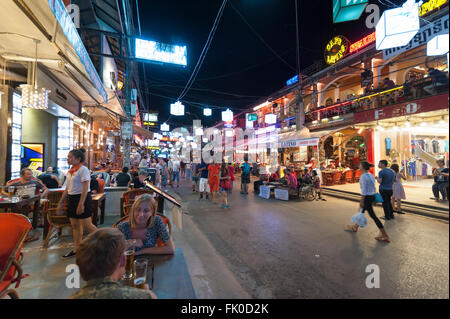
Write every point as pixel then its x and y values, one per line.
pixel 417 192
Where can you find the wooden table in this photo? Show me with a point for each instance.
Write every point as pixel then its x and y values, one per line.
pixel 23 206
pixel 98 201
pixel 170 274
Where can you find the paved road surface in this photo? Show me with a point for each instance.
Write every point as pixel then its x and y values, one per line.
pixel 274 249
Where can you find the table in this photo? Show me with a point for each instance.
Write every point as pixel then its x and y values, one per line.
pixel 171 276
pixel 23 206
pixel 98 201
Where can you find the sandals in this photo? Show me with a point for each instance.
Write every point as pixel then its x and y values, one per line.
pixel 351 228
pixel 382 238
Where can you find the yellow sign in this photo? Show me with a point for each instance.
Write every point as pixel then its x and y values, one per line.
pixel 150 123
pixel 336 49
pixel 431 5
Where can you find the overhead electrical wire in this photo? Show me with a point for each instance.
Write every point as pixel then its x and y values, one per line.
pixel 204 51
pixel 261 38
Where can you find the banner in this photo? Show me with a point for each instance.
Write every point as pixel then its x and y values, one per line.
pixel 425 34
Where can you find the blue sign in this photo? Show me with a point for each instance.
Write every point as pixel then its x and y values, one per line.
pixel 292 80
pixel 348 10
pixel 61 14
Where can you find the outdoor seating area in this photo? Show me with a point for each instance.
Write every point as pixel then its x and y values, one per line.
pixel 338 177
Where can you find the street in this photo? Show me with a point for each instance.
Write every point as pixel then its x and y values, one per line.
pixel 277 249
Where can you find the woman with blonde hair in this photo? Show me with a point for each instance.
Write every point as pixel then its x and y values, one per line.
pixel 144 227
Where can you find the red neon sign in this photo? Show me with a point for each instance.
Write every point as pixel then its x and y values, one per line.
pixel 363 42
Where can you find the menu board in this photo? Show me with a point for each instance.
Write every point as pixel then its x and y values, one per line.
pixel 281 193
pixel 162 193
pixel 301 155
pixel 264 192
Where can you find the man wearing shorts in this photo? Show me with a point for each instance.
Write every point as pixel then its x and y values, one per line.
pixel 213 170
pixel 195 177
pixel 245 177
pixel 203 186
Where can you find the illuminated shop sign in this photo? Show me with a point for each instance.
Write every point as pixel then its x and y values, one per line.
pixel 65 21
pixel 430 6
pixel 292 80
pixel 161 52
pixel 336 49
pixel 348 10
pixel 363 42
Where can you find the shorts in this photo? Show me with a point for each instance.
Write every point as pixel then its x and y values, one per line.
pixel 214 184
pixel 204 186
pixel 245 178
pixel 195 179
pixel 72 204
pixel 228 191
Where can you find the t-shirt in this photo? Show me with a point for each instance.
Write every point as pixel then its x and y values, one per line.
pixel 292 181
pixel 246 168
pixel 442 178
pixel 387 176
pixel 213 170
pixel 152 234
pixel 74 181
pixel 26 188
pixel 367 184
pixel 176 166
pixel 143 163
pixel 137 183
pixel 48 180
pixel 205 171
pixel 122 179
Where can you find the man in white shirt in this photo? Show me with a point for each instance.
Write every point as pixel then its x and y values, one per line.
pixel 176 172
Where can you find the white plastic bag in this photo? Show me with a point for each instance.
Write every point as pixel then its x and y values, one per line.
pixel 359 218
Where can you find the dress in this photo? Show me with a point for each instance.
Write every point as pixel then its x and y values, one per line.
pixel 397 188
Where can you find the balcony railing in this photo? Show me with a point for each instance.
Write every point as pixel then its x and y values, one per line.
pixel 400 94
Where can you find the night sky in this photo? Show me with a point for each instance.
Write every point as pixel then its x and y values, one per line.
pixel 239 70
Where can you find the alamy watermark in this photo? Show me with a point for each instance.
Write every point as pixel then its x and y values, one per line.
pixel 73 278
pixel 373 279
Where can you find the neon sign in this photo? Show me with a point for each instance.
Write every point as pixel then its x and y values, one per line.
pixel 431 6
pixel 363 42
pixel 336 49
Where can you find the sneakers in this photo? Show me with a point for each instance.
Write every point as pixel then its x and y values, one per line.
pixel 69 254
pixel 228 206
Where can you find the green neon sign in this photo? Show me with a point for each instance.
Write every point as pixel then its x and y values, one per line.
pixel 348 10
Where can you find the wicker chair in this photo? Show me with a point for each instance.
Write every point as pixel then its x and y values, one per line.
pixel 348 176
pixel 129 198
pixel 57 223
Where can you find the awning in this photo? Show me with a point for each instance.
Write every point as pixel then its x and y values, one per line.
pixel 60 48
pixel 143 132
pixel 303 137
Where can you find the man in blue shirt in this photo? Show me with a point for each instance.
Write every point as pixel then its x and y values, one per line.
pixel 440 181
pixel 386 178
pixel 245 177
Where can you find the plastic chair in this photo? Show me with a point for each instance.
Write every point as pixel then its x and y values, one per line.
pixel 337 178
pixel 357 176
pixel 57 223
pixel 14 229
pixel 348 176
pixel 165 219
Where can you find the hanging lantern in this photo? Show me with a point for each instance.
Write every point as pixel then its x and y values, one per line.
pixel 398 26
pixel 34 98
pixel 227 116
pixel 177 109
pixel 438 45
pixel 165 127
pixel 207 112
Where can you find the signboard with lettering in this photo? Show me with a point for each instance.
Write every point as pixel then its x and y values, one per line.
pixel 429 104
pixel 425 34
pixel 69 30
pixel 264 192
pixel 296 143
pixel 336 49
pixel 348 10
pixel 281 193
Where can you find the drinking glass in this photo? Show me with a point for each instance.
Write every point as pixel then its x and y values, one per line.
pixel 140 273
pixel 129 254
pixel 10 192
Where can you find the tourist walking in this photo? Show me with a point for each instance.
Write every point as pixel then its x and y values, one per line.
pixel 79 203
pixel 440 175
pixel 386 179
pixel 214 172
pixel 245 177
pixel 231 172
pixel 176 168
pixel 225 184
pixel 203 186
pixel 398 192
pixel 368 191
